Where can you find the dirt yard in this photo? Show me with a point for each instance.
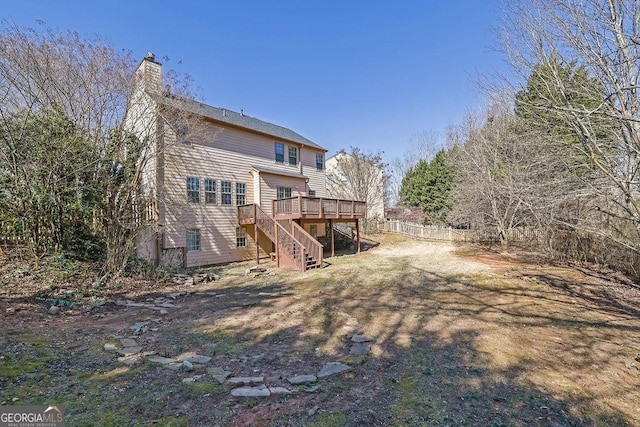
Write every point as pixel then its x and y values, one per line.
pixel 451 335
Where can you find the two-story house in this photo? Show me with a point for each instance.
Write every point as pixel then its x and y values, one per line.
pixel 228 187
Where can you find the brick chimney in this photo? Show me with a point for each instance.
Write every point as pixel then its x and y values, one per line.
pixel 149 75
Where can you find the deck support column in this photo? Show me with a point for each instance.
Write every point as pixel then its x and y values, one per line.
pixel 357 236
pixel 277 248
pixel 333 246
pixel 255 239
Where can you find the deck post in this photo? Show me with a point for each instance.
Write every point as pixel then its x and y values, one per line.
pixel 277 247
pixel 358 235
pixel 333 246
pixel 255 239
pixel 300 206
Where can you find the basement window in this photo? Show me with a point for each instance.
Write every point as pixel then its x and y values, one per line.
pixel 241 237
pixel 193 240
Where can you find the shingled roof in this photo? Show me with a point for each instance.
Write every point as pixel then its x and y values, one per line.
pixel 227 116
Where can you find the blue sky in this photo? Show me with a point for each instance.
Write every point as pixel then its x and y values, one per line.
pixel 342 73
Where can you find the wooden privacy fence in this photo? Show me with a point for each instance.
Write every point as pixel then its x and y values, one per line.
pixel 435 232
pixel 424 231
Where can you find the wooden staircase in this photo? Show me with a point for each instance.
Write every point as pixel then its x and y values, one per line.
pixel 295 248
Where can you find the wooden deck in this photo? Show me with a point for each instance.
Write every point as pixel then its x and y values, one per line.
pixel 303 207
pixel 302 250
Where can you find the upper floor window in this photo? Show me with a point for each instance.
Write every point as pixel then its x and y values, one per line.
pixel 283 192
pixel 210 191
pixel 193 190
pixel 241 194
pixel 319 161
pixel 279 152
pixel 225 190
pixel 193 240
pixel 293 156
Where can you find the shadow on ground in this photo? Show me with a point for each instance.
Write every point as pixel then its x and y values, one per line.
pixel 487 350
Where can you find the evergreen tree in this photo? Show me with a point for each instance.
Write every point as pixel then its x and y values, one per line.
pixel 428 185
pixel 45 168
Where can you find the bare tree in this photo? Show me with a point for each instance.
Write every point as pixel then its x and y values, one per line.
pixel 506 174
pixel 356 175
pixel 603 37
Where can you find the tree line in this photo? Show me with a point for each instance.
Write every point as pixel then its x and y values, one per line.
pixel 71 166
pixel 558 152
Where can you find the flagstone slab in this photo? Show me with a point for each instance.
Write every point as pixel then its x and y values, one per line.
pixel 219 374
pixel 361 349
pixel 280 390
pixel 245 380
pixel 259 391
pixel 361 338
pixel 129 351
pixel 302 379
pixel 162 360
pixel 332 368
pixel 196 358
pixel 110 347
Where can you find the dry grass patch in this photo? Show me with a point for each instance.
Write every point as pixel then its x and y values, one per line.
pixel 463 336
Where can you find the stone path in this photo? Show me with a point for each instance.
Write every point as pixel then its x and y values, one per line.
pixel 131 352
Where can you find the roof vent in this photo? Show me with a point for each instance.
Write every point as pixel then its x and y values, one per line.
pixel 242 112
pixel 150 56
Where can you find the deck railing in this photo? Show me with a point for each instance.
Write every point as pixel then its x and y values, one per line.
pixel 246 214
pixel 318 207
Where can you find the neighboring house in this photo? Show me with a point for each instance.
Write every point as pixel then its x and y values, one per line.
pixel 405 213
pixel 351 177
pixel 213 176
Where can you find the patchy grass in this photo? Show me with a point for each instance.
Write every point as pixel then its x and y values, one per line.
pixel 463 336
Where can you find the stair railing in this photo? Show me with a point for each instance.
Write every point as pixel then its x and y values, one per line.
pixel 314 248
pixel 286 244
